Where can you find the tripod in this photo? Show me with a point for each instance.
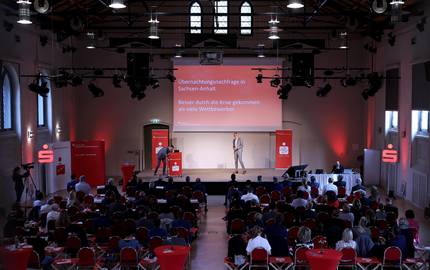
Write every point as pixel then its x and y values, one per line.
pixel 27 188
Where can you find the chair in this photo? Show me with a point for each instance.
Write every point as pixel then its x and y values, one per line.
pixel 260 190
pixel 58 199
pixel 310 223
pixel 300 258
pixel 259 259
pixel 275 196
pixel 183 233
pixel 341 192
pixel 72 246
pixel 60 236
pixel 320 241
pixel 237 226
pixel 128 258
pixel 392 258
pixel 154 243
pixel 86 258
pixel 80 195
pixel 349 258
pixel 34 261
pixel 142 235
pixel 374 232
pixel 265 199
pixel 292 235
pixel 314 192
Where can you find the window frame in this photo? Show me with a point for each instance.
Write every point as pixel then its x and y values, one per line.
pixel 45 106
pixel 217 15
pixel 422 131
pixel 191 28
pixel 250 14
pixel 3 73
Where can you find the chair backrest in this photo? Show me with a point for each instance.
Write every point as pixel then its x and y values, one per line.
pixel 113 244
pixel 60 236
pixel 86 257
pixel 392 255
pixel 88 199
pixel 198 195
pixel 349 256
pixel 300 256
pixel 265 199
pixel 260 256
pixel 182 233
pixel 142 235
pixel 275 195
pixel 260 190
pixel 237 226
pixel 314 192
pixel 320 241
pixel 73 244
pixel 292 235
pixel 128 256
pixel 34 261
pixel 341 192
pixel 155 242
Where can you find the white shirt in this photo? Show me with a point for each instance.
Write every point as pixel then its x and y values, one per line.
pixel 84 187
pixel 330 187
pixel 250 196
pixel 52 215
pixel 299 202
pixel 302 188
pixel 235 143
pixel 258 242
pixel 45 208
pixel 342 244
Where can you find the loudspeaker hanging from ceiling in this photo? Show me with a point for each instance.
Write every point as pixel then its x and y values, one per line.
pixel 41 6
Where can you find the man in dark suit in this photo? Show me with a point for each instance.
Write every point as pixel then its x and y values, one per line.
pixel 340 182
pixel 162 157
pixel 358 186
pixel 337 168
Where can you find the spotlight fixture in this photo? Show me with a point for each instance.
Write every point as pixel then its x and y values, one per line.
pixel 117 4
pixel 95 91
pixel 295 4
pixel 259 78
pixel 391 39
pixel 273 28
pixel 154 83
pixel 348 81
pixel 153 28
pixel 379 6
pixel 24 12
pixel 275 81
pixel 91 41
pixel 374 84
pixel 421 24
pixel 76 80
pixel 39 87
pixel 260 51
pixel 284 90
pixel 343 41
pixel 397 2
pixel 324 90
pixel 171 77
pixel 60 80
pixel 116 81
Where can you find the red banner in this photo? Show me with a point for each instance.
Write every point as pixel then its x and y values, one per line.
pixel 160 139
pixel 175 164
pixel 88 158
pixel 284 154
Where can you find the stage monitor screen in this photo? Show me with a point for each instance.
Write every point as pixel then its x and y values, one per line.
pixel 225 98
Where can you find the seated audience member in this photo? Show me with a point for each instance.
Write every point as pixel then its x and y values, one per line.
pixel 330 187
pixel 347 241
pixel 110 186
pixel 363 238
pixel 78 230
pixel 34 214
pixel 380 213
pixel 83 186
pixel 116 206
pixel 409 236
pixel 304 187
pixel 249 196
pixel 129 241
pixel 299 201
pixel 374 194
pixel 314 182
pixel 257 241
pixel 72 200
pixel 160 184
pixel 277 236
pixel 39 244
pixel 309 211
pixel 414 226
pixel 102 221
pixel 157 230
pixel 232 183
pixel 171 185
pixel 44 209
pixel 304 238
pixel 54 214
pixel 332 199
pixel 276 185
pixel 180 221
pixel 397 240
pixel 199 186
pixel 346 214
pixel 337 168
pixel 340 182
pixel 236 247
pixel 361 228
pixel 63 219
pixel 358 186
pixel 72 183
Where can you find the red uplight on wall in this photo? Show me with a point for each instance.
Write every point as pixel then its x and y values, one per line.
pixel 46 155
pixel 389 155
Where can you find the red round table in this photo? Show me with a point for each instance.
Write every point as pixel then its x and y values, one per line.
pixel 127 174
pixel 327 260
pixel 15 259
pixel 172 257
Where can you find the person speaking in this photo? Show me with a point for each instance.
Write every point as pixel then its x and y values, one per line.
pixel 237 150
pixel 337 168
pixel 162 157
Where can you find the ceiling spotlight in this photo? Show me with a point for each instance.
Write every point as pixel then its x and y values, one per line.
pixel 116 80
pixel 284 90
pixel 117 4
pixel 24 12
pixel 294 4
pixel 259 78
pixel 374 83
pixel 171 77
pixel 343 41
pixel 275 81
pixel 397 2
pixel 273 28
pixel 154 83
pixel 39 87
pixel 379 6
pixel 76 80
pixel 260 51
pixel 391 39
pixel 421 24
pixel 91 41
pixel 95 91
pixel 153 28
pixel 324 90
pixel 348 81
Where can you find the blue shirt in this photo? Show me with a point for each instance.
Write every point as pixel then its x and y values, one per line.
pixel 158 232
pixel 133 243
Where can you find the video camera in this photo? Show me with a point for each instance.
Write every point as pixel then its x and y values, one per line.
pixel 28 166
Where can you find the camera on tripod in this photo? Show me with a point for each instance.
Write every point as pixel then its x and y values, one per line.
pixel 28 166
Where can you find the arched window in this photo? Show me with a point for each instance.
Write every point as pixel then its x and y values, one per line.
pixel 42 104
pixel 195 18
pixel 6 99
pixel 221 16
pixel 245 19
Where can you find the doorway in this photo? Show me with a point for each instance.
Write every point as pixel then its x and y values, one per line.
pixel 147 142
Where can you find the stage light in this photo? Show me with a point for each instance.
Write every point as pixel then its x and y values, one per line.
pixel 343 41
pixel 260 51
pixel 116 81
pixel 153 28
pixel 284 90
pixel 95 91
pixel 39 87
pixel 379 6
pixel 275 81
pixel 375 83
pixel 295 4
pixel 117 4
pixel 348 81
pixel 171 77
pixel 259 78
pixel 91 41
pixel 324 90
pixel 76 80
pixel 391 39
pixel 421 24
pixel 273 29
pixel 397 2
pixel 24 12
pixel 154 83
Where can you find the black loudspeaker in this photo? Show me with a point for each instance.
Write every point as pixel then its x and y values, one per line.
pixel 138 66
pixel 427 69
pixel 303 69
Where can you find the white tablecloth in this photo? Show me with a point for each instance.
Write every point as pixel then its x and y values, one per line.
pixel 322 179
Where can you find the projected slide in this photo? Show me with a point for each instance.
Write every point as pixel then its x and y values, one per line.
pixel 224 98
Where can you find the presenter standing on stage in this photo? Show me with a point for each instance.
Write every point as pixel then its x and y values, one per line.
pixel 238 149
pixel 162 157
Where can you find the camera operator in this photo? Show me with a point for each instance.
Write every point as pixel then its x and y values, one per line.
pixel 18 178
